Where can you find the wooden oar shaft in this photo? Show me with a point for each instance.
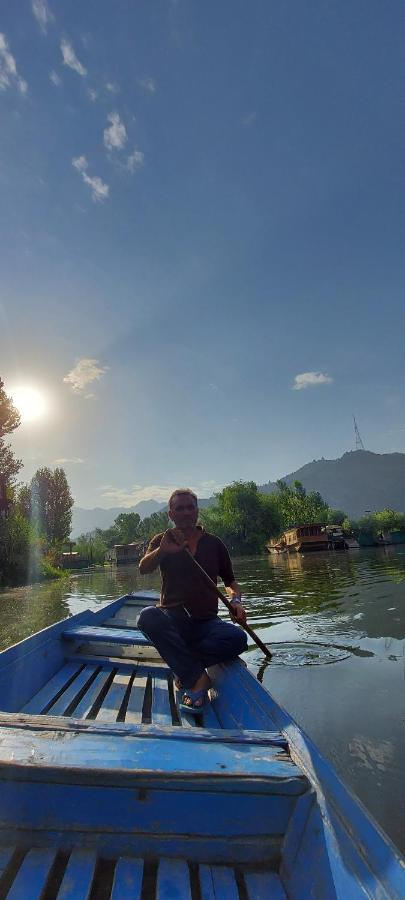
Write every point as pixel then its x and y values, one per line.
pixel 228 605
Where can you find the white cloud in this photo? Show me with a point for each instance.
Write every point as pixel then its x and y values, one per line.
pixel 99 189
pixel 310 379
pixel 68 460
pixel 70 59
pixel 42 13
pixel 115 136
pixel 8 69
pixel 135 160
pixel 92 94
pixel 112 87
pixel 55 78
pixel 160 492
pixel 148 85
pixel 85 372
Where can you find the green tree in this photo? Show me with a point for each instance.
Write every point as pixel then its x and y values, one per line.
pixel 296 507
pixel 51 504
pixel 154 524
pixel 242 517
pixel 9 421
pixel 336 517
pixel 127 525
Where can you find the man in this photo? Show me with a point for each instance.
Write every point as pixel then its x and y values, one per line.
pixel 185 627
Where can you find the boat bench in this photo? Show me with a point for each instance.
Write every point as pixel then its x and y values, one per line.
pixel 81 874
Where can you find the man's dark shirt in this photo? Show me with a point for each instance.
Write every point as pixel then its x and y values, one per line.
pixel 184 585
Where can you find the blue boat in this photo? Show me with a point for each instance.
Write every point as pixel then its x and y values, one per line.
pixel 109 791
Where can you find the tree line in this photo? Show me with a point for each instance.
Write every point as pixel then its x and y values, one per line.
pixel 36 518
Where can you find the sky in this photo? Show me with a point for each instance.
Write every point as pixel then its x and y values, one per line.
pixel 201 237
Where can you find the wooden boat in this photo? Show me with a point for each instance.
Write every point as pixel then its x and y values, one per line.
pixel 108 791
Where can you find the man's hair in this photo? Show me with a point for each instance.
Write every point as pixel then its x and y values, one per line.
pixel 182 491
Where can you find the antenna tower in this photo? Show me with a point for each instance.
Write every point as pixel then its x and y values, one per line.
pixel 359 442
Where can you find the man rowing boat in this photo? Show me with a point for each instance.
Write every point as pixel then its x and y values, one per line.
pixel 185 627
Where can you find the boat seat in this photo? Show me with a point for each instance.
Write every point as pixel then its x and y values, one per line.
pixel 96 633
pixel 80 873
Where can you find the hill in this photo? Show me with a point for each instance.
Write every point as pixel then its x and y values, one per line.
pixel 357 481
pixel 86 520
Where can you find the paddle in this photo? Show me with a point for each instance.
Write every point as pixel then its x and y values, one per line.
pixel 228 605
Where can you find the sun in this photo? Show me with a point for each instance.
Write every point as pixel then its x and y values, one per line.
pixel 30 402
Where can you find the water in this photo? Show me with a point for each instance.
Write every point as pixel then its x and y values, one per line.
pixel 336 626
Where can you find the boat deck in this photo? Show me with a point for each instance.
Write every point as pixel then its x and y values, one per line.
pixel 46 874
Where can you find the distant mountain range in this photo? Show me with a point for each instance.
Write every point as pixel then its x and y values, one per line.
pixel 356 482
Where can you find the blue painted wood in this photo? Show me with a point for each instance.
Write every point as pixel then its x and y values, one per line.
pixel 31 878
pixel 78 877
pixel 161 711
pixel 173 880
pixel 59 682
pixel 107 751
pixel 60 707
pixel 125 636
pixel 87 702
pixel 136 699
pixel 218 883
pixel 111 704
pixel 264 886
pixel 127 884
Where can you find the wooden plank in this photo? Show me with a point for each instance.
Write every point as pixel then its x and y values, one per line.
pixel 127 879
pixel 78 877
pixel 88 700
pixel 263 886
pixel 173 880
pixel 30 880
pixel 136 698
pixel 59 681
pixel 60 707
pixel 218 882
pixel 161 711
pixel 111 704
pixel 96 633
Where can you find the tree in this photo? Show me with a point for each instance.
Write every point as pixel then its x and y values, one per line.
pixel 336 516
pixel 127 525
pixel 9 421
pixel 242 517
pixel 296 507
pixel 51 504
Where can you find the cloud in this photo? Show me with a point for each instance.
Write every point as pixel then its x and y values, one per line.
pixel 99 189
pixel 85 372
pixel 8 69
pixel 135 160
pixel 310 379
pixel 112 87
pixel 160 492
pixel 148 85
pixel 248 120
pixel 70 59
pixel 65 460
pixel 42 13
pixel 92 95
pixel 55 78
pixel 115 136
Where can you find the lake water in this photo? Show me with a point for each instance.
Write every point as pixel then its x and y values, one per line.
pixel 336 624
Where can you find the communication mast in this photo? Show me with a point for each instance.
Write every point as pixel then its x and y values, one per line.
pixel 359 442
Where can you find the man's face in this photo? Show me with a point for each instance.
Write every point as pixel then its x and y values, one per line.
pixel 183 511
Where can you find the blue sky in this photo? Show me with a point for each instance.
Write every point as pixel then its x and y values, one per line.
pixel 201 202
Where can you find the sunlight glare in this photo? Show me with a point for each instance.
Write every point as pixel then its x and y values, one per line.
pixel 30 403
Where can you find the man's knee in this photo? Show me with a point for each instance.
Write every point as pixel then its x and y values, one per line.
pixel 151 620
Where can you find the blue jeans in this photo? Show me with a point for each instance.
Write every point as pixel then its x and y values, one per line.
pixel 188 645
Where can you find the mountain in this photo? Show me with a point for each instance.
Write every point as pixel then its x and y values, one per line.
pixel 356 482
pixel 85 520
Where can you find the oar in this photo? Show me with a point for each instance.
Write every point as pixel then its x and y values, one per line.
pixel 228 605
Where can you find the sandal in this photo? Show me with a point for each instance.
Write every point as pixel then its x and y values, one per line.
pixel 194 697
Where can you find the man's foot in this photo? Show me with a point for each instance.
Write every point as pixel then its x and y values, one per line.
pixel 194 698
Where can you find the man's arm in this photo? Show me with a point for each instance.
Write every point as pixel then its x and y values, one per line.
pixel 234 592
pixel 172 541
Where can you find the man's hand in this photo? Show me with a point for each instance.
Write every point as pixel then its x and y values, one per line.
pixel 172 542
pixel 238 612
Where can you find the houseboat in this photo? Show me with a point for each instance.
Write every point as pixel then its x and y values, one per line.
pixel 73 560
pixel 301 539
pixel 125 554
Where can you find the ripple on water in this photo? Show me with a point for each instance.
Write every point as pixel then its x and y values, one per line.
pixel 301 653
